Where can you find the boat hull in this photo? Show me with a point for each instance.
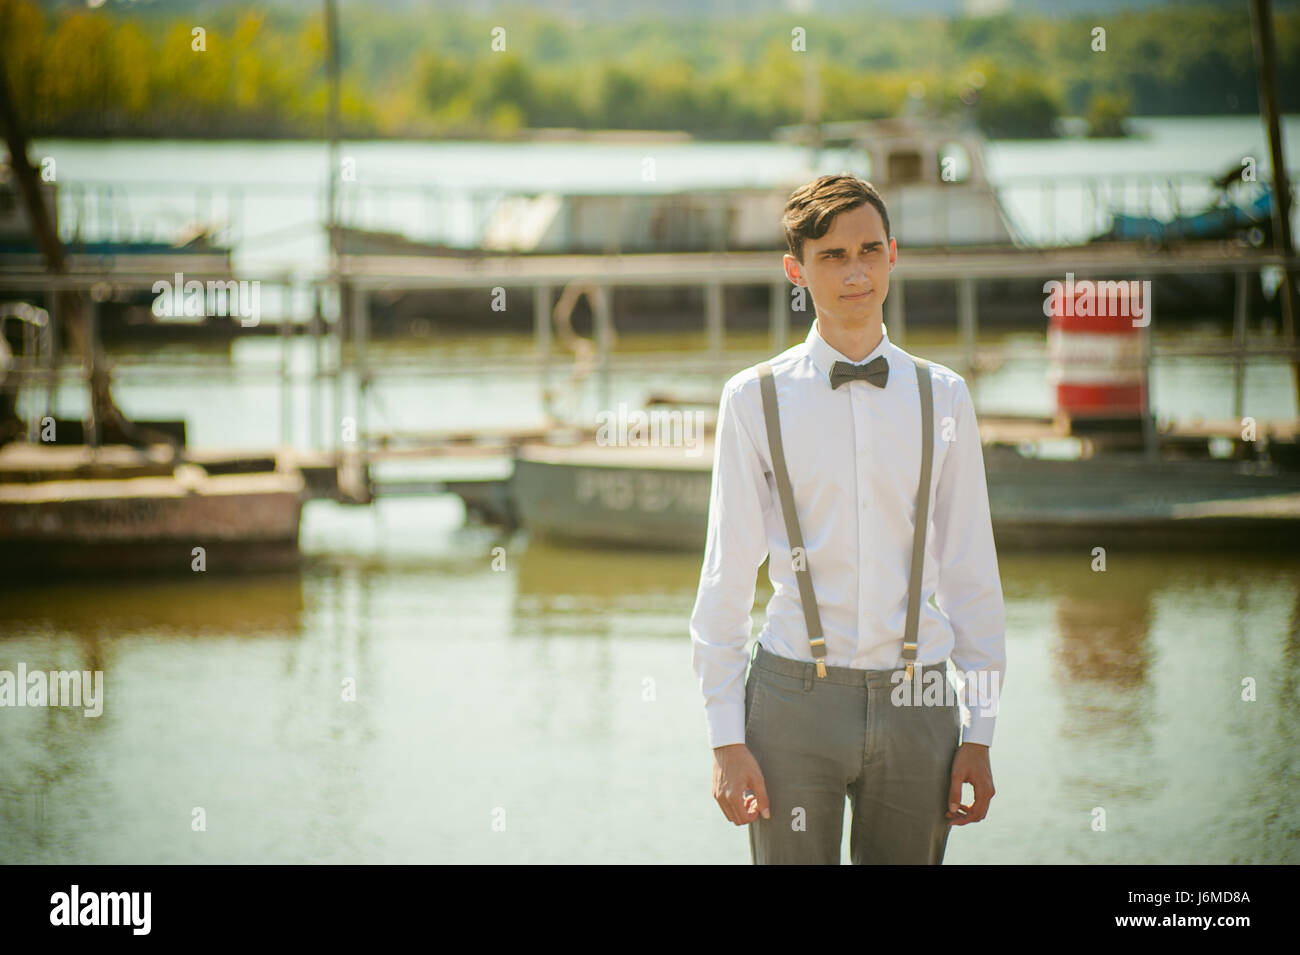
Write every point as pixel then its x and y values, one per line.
pixel 211 524
pixel 636 504
pixel 1117 502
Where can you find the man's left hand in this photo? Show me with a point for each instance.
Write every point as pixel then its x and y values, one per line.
pixel 970 765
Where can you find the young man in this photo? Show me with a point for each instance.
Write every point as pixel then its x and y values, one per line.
pixel 790 743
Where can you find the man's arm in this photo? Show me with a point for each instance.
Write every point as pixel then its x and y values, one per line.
pixel 735 547
pixel 969 590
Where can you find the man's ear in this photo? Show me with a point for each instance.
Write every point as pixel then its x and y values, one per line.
pixel 893 253
pixel 793 270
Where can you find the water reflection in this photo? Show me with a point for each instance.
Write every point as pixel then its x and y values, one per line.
pixel 570 669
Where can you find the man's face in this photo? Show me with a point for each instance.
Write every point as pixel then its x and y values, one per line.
pixel 846 271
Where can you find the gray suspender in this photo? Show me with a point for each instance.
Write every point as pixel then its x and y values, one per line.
pixel 922 513
pixel 816 639
pixel 806 596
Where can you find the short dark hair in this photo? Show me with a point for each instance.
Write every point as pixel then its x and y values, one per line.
pixel 813 207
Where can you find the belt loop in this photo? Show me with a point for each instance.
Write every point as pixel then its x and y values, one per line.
pixel 808 677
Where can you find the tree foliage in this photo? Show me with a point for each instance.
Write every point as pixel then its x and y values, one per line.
pixel 134 70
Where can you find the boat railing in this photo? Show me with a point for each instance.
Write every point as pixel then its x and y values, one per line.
pixel 1043 210
pixel 165 213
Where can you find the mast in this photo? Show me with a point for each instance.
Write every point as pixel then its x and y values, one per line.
pixel 332 131
pixel 1265 60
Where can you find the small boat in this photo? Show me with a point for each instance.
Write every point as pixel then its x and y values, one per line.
pixel 1225 219
pixel 1128 501
pixel 589 494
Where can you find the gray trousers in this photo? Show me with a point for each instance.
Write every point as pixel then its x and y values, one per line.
pixel 818 740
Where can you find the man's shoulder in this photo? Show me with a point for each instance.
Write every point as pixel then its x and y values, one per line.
pixel 944 378
pixel 745 382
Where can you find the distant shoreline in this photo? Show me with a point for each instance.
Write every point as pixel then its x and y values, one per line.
pixel 124 71
pixel 597 136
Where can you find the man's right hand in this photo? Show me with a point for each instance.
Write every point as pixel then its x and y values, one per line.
pixel 738 784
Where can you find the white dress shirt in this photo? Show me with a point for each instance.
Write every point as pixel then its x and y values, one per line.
pixel 854 459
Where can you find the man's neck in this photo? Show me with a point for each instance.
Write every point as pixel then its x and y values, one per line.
pixel 854 343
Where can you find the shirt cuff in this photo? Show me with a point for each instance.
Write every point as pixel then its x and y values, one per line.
pixel 726 724
pixel 980 727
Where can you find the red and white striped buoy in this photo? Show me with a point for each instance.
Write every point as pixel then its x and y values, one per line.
pixel 1095 358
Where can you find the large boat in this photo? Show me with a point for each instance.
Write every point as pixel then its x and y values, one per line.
pixel 67 506
pixel 932 173
pixel 943 206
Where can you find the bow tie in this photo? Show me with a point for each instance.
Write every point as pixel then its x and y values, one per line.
pixel 875 371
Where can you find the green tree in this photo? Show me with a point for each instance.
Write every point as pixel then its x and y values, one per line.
pixel 1106 114
pixel 1016 105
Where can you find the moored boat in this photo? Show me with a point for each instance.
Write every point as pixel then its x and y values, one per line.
pixel 185 522
pixel 659 498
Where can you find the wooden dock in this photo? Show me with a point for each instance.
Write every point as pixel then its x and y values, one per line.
pixel 353 472
pixel 760 268
pixel 73 506
pixel 31 463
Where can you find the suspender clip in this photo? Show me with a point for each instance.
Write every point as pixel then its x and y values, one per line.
pixel 821 668
pixel 909 670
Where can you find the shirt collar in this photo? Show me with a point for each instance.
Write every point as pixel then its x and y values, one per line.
pixel 824 356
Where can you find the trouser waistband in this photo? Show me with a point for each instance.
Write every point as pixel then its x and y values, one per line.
pixel 765 659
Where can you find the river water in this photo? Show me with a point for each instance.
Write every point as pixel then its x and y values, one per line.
pixel 546 711
pixel 542 707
